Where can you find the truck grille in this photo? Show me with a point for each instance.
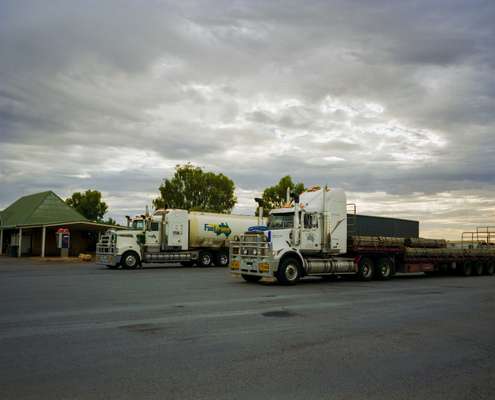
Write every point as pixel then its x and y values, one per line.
pixel 105 246
pixel 102 249
pixel 250 245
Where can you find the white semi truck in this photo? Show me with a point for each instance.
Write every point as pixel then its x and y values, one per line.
pixel 171 236
pixel 311 237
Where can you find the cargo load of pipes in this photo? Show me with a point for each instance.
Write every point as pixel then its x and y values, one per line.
pixel 426 243
pixel 448 252
pixel 375 241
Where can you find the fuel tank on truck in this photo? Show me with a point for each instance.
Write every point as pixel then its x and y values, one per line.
pixel 212 230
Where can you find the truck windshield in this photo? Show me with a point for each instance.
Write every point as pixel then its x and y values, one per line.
pixel 281 221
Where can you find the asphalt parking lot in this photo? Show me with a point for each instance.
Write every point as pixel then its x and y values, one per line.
pixel 77 331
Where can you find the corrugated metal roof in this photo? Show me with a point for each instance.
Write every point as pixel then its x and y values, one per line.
pixel 39 209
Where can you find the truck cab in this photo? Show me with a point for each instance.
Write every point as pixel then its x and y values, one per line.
pixel 164 230
pixel 306 238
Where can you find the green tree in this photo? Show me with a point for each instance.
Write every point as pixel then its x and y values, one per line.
pixel 88 204
pixel 109 221
pixel 193 189
pixel 276 196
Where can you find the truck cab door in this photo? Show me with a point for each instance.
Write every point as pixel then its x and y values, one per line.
pixel 310 232
pixel 153 234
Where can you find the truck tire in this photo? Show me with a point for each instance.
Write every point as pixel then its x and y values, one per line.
pixel 289 271
pixel 205 258
pixel 478 268
pixel 129 260
pixel 366 269
pixel 222 258
pixel 490 268
pixel 467 268
pixel 384 269
pixel 251 278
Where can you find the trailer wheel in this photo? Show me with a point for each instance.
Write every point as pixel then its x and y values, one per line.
pixel 222 258
pixel 467 268
pixel 205 259
pixel 289 271
pixel 129 260
pixel 384 269
pixel 366 269
pixel 490 268
pixel 478 268
pixel 251 278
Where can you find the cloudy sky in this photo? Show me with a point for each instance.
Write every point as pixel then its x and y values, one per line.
pixel 393 101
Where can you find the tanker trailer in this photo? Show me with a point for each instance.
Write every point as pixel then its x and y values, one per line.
pixel 172 236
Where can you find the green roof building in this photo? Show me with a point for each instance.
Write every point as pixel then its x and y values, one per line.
pixel 29 225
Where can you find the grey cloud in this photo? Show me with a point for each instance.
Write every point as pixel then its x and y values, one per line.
pixel 384 96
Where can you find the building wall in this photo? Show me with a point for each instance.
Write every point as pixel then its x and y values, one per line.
pixel 81 241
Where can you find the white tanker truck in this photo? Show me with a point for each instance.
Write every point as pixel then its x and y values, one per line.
pixel 171 236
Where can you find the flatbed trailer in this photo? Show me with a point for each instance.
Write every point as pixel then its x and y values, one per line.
pixel 424 255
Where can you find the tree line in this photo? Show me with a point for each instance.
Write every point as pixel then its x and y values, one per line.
pixel 190 188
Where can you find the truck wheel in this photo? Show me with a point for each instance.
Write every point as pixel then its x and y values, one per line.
pixel 366 269
pixel 384 268
pixel 478 268
pixel 129 260
pixel 251 278
pixel 222 258
pixel 490 268
pixel 205 259
pixel 289 271
pixel 467 268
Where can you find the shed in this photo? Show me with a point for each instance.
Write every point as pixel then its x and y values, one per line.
pixel 28 227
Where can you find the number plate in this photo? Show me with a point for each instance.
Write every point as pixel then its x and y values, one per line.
pixel 103 259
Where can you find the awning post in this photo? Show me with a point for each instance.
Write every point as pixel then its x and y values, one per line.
pixel 43 238
pixel 19 248
pixel 1 242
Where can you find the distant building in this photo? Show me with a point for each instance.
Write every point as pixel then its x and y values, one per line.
pixel 28 227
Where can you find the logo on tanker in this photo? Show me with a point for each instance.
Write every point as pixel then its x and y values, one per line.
pixel 219 229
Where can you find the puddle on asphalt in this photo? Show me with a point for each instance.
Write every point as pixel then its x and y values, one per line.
pixel 142 328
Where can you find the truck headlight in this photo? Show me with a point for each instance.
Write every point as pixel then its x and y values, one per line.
pixel 245 251
pixel 255 252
